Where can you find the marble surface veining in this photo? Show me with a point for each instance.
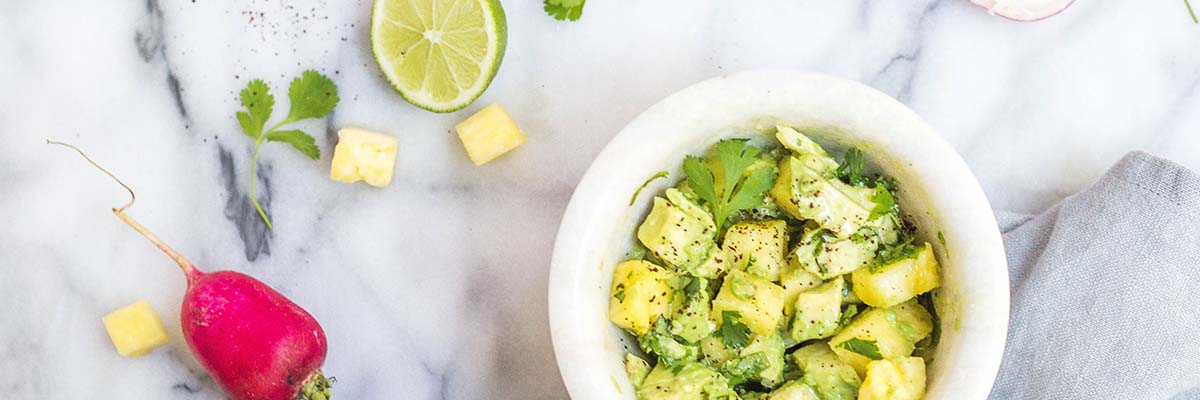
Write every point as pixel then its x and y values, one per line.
pixel 435 287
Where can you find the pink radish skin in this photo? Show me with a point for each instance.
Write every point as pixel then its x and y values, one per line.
pixel 1024 10
pixel 254 342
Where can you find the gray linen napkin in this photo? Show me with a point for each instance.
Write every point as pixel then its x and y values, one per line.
pixel 1106 290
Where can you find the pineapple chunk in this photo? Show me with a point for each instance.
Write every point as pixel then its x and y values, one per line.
pixel 135 329
pixel 891 332
pixel 898 379
pixel 758 247
pixel 640 295
pixel 363 155
pixel 899 281
pixel 489 133
pixel 758 301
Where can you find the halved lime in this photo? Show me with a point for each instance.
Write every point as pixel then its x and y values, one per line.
pixel 440 55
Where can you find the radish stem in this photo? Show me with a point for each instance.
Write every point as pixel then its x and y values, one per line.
pixel 188 269
pixel 1189 7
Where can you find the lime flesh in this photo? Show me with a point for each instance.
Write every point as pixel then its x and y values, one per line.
pixel 440 55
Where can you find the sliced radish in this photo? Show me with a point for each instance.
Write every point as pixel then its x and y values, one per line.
pixel 1024 10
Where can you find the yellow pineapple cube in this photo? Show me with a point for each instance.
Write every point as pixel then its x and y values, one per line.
pixel 489 133
pixel 135 329
pixel 896 379
pixel 363 155
pixel 640 294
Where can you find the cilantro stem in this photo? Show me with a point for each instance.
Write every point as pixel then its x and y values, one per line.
pixel 254 177
pixel 1193 13
pixel 254 170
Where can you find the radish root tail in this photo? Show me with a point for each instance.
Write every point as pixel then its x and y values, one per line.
pixel 188 269
pixel 132 196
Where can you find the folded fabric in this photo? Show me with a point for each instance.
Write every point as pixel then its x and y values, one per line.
pixel 1106 290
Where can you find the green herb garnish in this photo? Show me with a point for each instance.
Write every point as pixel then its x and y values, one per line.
pixel 741 189
pixel 659 175
pixel 620 295
pixel 890 254
pixel 733 333
pixel 851 168
pixel 1192 13
pixel 564 9
pixel 885 203
pixel 868 348
pixel 311 95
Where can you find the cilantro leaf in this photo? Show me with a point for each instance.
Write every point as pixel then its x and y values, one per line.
pixel 700 179
pixel 851 168
pixel 733 333
pixel 259 103
pixel 890 254
pixel 868 348
pixel 740 189
pixel 564 9
pixel 750 193
pixel 735 157
pixel 312 96
pixel 299 140
pixel 884 202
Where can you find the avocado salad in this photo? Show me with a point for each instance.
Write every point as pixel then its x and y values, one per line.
pixel 777 273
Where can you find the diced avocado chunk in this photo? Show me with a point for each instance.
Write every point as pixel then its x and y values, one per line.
pixel 899 281
pixel 795 279
pixel 882 333
pixel 823 254
pixel 640 295
pixel 913 321
pixel 712 267
pixel 794 390
pixel 758 301
pixel 761 360
pixel 686 381
pixel 669 349
pixel 897 379
pixel 805 193
pixel 636 368
pixel 678 231
pixel 806 149
pixel 691 320
pixel 818 311
pixel 758 247
pixel 827 374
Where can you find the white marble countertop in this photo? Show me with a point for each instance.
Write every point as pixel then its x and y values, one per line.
pixel 435 287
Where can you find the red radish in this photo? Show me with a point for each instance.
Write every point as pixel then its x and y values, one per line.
pixel 253 341
pixel 1024 10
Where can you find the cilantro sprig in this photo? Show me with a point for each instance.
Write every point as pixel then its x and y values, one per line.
pixel 740 189
pixel 564 9
pixel 733 332
pixel 311 95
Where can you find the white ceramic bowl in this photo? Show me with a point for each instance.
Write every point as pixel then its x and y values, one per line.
pixel 937 190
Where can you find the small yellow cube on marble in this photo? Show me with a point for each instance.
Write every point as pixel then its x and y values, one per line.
pixel 363 155
pixel 135 329
pixel 489 134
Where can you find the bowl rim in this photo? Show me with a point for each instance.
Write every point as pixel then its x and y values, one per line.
pixel 581 377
